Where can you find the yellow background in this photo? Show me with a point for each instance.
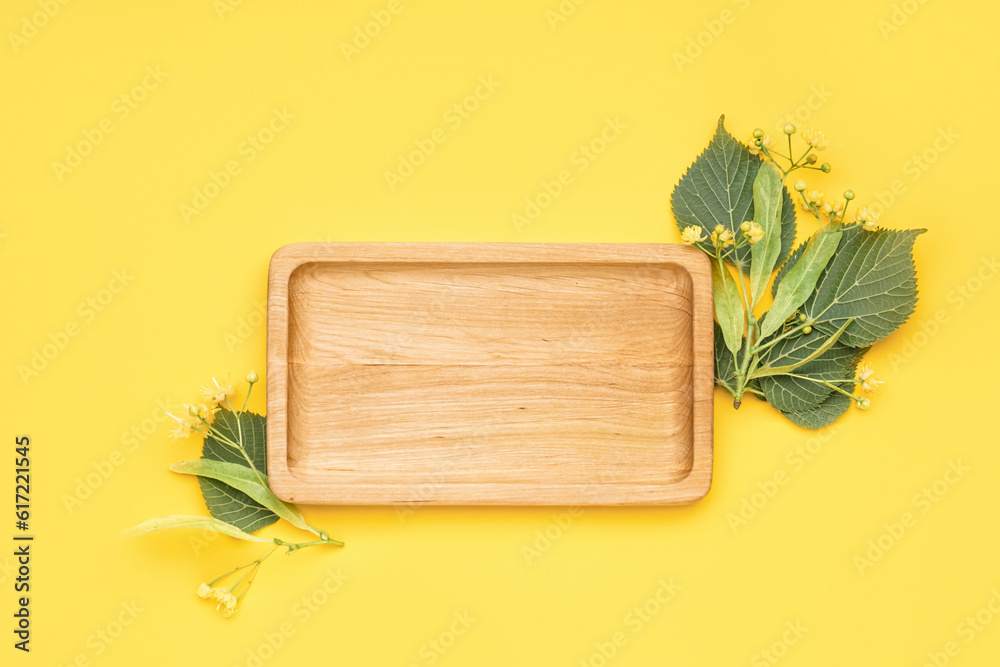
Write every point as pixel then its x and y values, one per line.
pixel 190 307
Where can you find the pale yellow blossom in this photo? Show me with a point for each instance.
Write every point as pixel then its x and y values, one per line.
pixel 833 211
pixel 765 141
pixel 204 591
pixel 219 392
pixel 814 197
pixel 754 232
pixel 868 216
pixel 186 425
pixel 869 383
pixel 815 138
pixel 692 235
pixel 722 238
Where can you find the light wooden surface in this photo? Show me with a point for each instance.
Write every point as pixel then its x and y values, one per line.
pixel 479 373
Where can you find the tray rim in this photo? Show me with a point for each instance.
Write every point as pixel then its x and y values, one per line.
pixel 289 487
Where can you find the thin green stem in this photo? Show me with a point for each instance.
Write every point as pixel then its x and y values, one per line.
pixel 235 569
pixel 216 434
pixel 760 348
pixel 825 383
pixel 246 398
pixel 292 547
pixel 253 574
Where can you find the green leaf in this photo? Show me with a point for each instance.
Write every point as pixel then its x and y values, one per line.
pixel 242 478
pixel 725 362
pixel 717 189
pixel 834 364
pixel 728 306
pixel 824 414
pixel 254 430
pixel 764 254
pixel 870 278
pixel 789 263
pixel 223 501
pixel 798 282
pixel 198 522
pixel 829 342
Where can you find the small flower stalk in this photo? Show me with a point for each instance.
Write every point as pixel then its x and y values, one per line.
pixel 227 599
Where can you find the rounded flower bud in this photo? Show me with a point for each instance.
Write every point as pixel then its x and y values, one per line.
pixel 719 229
pixel 849 195
pixel 807 329
pixel 811 159
pixel 800 185
pixel 802 317
pixel 758 133
pixel 746 225
pixel 826 167
pixel 194 411
pixel 252 377
pixel 788 128
pixel 864 403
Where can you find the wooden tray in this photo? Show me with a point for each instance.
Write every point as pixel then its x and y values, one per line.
pixel 489 373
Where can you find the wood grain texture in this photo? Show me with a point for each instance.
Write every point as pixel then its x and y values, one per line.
pixel 479 373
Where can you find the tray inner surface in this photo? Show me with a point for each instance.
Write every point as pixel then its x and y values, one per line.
pixel 552 373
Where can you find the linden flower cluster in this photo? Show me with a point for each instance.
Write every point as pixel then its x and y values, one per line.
pixel 722 238
pixel 227 599
pixel 827 213
pixel 198 417
pixel 831 215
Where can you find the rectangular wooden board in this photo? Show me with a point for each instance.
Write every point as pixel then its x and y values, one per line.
pixel 489 373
